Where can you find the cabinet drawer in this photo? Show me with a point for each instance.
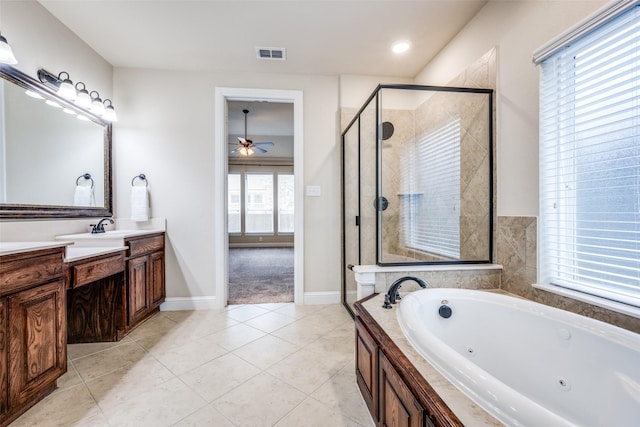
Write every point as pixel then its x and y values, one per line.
pixel 145 245
pixel 94 270
pixel 28 272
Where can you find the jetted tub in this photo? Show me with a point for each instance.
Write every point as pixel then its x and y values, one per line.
pixel 525 363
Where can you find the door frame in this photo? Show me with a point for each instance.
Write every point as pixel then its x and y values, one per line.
pixel 221 236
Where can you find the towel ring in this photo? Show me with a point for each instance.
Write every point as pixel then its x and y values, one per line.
pixel 86 176
pixel 142 177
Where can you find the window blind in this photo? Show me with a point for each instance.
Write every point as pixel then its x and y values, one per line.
pixel 590 162
pixel 431 210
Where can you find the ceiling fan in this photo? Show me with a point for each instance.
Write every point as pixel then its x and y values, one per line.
pixel 247 147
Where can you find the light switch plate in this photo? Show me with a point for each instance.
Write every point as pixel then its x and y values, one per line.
pixel 313 191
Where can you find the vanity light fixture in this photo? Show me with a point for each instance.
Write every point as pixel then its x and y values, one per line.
pixel 83 100
pixel 66 89
pixel 91 101
pixel 97 107
pixel 6 54
pixel 109 112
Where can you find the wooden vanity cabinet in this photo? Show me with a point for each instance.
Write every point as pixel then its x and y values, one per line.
pixel 145 277
pixel 394 391
pixel 95 298
pixel 33 351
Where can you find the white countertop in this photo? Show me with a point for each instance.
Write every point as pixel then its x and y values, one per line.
pixel 8 248
pixel 77 253
pixel 111 234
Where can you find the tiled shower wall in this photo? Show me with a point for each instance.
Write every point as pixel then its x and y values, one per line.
pixel 516 250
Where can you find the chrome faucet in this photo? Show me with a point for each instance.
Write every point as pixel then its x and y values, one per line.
pixel 393 293
pixel 99 227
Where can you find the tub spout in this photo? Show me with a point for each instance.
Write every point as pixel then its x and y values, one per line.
pixel 393 293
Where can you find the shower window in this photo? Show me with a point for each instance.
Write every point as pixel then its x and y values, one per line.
pixel 430 208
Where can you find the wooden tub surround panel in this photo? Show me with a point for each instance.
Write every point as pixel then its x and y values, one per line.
pixel 393 389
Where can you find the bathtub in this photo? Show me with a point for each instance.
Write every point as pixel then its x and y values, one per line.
pixel 525 363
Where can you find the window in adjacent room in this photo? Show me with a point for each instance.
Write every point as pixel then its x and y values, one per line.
pixel 590 163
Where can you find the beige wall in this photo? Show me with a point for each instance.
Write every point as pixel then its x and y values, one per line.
pixel 516 28
pixel 39 41
pixel 166 130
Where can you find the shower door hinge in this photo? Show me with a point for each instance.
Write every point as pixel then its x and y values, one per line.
pixel 357 220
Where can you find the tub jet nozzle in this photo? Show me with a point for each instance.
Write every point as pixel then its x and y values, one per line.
pixel 445 311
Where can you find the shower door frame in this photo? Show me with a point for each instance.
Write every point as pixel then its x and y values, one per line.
pixel 375 95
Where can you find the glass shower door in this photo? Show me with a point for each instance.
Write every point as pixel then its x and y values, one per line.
pixel 351 211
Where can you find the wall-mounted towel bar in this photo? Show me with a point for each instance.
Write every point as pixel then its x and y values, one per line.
pixel 86 176
pixel 141 177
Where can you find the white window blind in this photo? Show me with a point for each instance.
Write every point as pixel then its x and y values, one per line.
pixel 431 209
pixel 590 162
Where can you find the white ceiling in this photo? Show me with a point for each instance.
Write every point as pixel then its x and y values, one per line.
pixel 321 36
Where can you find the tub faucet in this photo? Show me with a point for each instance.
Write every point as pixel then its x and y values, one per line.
pixel 99 227
pixel 393 293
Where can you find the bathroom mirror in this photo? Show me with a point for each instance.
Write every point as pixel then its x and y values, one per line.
pixel 55 161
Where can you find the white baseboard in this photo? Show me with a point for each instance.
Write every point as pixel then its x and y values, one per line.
pixel 209 303
pixel 188 303
pixel 326 297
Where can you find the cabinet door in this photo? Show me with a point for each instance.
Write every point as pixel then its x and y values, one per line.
pixel 156 275
pixel 37 340
pixel 398 407
pixel 137 297
pixel 3 356
pixel 367 368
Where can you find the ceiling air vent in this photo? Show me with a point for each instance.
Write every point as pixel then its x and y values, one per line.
pixel 276 53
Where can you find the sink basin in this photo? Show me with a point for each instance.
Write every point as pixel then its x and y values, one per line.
pixel 110 238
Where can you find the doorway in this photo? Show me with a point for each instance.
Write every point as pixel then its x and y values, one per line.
pixel 222 170
pixel 260 202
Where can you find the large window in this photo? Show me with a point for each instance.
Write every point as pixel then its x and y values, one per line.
pixel 590 163
pixel 234 192
pixel 260 203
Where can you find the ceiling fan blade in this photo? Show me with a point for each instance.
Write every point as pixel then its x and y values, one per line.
pixel 266 144
pixel 235 151
pixel 258 149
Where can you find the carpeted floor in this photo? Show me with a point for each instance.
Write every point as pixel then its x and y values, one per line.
pixel 260 275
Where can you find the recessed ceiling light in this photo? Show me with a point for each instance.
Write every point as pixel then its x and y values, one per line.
pixel 400 46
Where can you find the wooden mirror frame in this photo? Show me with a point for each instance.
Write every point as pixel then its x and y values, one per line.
pixel 26 211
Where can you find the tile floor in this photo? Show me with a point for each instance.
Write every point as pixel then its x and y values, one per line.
pixel 247 365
